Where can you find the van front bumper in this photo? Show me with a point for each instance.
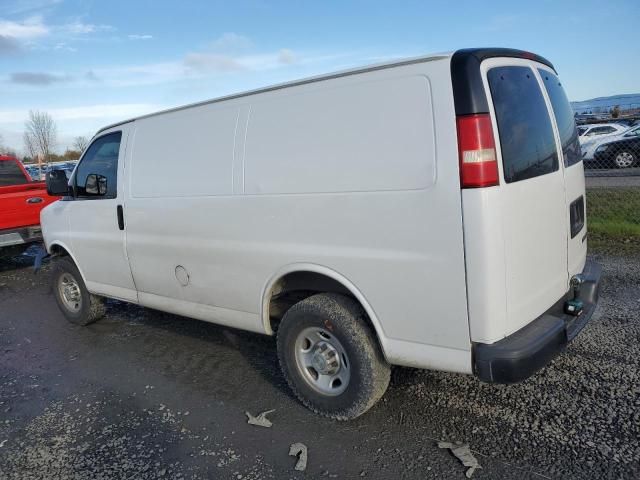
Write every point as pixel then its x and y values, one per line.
pixel 526 351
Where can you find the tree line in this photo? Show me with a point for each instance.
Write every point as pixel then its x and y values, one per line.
pixel 40 139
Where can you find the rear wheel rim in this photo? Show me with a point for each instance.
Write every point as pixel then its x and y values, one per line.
pixel 322 361
pixel 624 160
pixel 69 292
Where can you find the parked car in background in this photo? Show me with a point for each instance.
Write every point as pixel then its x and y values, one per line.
pixel 623 153
pixel 39 173
pixel 66 167
pixel 590 147
pixel 626 122
pixel 587 132
pixel 21 200
pixel 35 172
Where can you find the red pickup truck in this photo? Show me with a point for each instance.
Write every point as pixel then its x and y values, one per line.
pixel 21 200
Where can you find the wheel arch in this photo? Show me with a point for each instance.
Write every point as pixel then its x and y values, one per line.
pixel 318 272
pixel 60 249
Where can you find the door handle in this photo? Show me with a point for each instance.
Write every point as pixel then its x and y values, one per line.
pixel 34 200
pixel 120 217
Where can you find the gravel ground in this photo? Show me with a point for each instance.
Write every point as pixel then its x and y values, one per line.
pixel 143 394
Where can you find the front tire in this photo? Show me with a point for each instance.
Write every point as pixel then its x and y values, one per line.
pixel 330 357
pixel 74 300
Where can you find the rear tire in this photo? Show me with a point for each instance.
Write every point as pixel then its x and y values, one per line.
pixel 74 300
pixel 330 356
pixel 624 159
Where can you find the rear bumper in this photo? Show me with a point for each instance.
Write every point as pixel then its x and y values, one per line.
pixel 526 351
pixel 20 236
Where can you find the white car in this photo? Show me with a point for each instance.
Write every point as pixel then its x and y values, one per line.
pixel 589 132
pixel 590 145
pixel 428 212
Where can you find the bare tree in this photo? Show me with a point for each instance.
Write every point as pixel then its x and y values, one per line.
pixel 80 143
pixel 31 150
pixel 42 131
pixel 30 146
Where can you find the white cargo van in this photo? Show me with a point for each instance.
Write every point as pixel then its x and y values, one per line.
pixel 427 212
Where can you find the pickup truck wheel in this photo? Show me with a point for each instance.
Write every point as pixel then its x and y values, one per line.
pixel 76 303
pixel 330 357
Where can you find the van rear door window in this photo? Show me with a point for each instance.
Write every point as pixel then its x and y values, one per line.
pixel 564 118
pixel 526 134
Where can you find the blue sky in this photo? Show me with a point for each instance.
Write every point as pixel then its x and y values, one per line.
pixel 90 63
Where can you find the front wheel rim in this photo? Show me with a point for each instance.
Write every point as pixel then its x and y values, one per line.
pixel 322 361
pixel 69 292
pixel 624 160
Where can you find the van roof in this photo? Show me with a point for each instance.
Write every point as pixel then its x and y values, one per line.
pixel 471 55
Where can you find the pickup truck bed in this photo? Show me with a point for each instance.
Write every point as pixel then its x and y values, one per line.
pixel 21 200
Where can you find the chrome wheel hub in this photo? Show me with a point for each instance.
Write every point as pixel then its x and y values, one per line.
pixel 624 160
pixel 325 359
pixel 322 361
pixel 69 291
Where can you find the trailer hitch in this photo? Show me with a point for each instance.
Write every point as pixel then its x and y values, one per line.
pixel 575 305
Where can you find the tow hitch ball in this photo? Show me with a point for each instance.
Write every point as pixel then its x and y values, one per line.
pixel 575 305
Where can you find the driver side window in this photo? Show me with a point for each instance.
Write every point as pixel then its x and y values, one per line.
pixel 97 174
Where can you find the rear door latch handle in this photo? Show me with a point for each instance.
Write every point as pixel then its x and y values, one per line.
pixel 34 200
pixel 120 217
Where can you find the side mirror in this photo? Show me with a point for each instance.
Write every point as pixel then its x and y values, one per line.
pixel 57 183
pixel 95 185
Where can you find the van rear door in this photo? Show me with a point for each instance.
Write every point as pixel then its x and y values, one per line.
pixel 532 194
pixel 522 188
pixel 569 147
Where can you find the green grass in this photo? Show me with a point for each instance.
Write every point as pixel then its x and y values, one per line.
pixel 613 219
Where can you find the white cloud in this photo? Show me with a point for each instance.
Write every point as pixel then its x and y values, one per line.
pixel 65 47
pixel 287 57
pixel 139 37
pixel 227 54
pixel 231 41
pixel 79 28
pixel 28 29
pixel 134 75
pixel 14 35
pixel 16 7
pixel 211 62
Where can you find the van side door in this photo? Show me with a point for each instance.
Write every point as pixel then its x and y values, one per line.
pixel 96 217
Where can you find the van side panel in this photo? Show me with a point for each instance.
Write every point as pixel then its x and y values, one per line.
pixel 362 190
pixel 188 153
pixel 298 142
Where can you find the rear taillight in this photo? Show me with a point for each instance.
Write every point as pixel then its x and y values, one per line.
pixel 478 161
